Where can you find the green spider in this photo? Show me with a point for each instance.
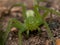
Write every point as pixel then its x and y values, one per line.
pixel 32 21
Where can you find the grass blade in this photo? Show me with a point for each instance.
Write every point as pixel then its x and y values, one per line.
pixel 21 28
pixel 8 29
pixel 20 37
pixel 1 37
pixel 18 25
pixel 50 10
pixel 50 34
pixel 45 14
pixel 24 11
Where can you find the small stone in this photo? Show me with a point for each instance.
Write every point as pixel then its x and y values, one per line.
pixel 13 29
pixel 57 41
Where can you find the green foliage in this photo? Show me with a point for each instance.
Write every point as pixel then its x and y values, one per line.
pixel 1 37
pixel 50 34
pixel 4 35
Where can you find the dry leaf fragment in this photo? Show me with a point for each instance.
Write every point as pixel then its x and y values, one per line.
pixel 57 41
pixel 47 42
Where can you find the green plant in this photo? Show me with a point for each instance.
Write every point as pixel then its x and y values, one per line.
pixel 32 21
pixel 1 38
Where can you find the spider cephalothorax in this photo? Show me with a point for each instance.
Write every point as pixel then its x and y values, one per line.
pixel 32 22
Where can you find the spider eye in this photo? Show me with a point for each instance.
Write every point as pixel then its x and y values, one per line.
pixel 29 13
